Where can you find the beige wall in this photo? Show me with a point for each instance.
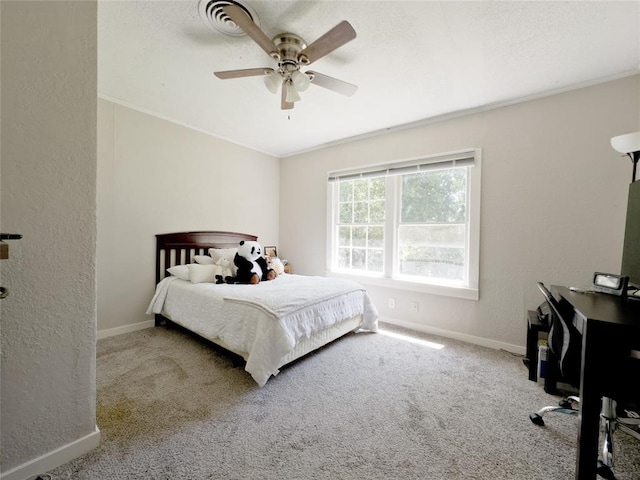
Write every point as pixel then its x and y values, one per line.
pixel 158 177
pixel 553 204
pixel 48 192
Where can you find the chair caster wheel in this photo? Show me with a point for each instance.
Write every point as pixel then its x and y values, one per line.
pixel 604 471
pixel 565 403
pixel 537 419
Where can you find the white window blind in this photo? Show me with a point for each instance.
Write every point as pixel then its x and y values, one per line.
pixel 441 162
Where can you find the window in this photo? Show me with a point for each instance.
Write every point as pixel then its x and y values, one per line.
pixel 360 225
pixel 411 224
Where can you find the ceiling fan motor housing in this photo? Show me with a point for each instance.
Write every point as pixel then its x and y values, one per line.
pixel 289 46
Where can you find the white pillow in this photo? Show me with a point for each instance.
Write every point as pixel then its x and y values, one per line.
pixel 202 273
pixel 180 271
pixel 203 259
pixel 218 253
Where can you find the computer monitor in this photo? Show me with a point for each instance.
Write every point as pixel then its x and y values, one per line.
pixel 631 249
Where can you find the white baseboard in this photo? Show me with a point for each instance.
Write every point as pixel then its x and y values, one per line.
pixel 110 332
pixel 485 342
pixel 54 459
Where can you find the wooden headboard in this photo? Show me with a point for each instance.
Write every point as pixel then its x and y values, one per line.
pixel 177 248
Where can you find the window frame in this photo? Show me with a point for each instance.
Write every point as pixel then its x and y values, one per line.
pixel 389 277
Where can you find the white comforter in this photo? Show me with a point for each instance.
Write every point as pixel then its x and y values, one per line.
pixel 265 320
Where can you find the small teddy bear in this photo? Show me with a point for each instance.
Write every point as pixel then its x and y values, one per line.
pixel 223 269
pixel 276 264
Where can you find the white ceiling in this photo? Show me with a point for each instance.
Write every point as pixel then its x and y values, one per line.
pixel 412 61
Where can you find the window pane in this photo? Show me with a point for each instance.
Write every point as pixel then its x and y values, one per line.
pixel 359 237
pixel 376 210
pixel 344 257
pixel 346 213
pixel 346 191
pixel 359 259
pixel 435 262
pixel 377 189
pixel 375 261
pixel 361 212
pixel 430 235
pixel 434 197
pixel 376 237
pixel 344 236
pixel 360 190
pixel 432 251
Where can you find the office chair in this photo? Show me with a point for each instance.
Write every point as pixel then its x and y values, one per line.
pixel 565 345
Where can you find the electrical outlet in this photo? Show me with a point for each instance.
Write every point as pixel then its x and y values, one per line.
pixel 415 306
pixel 392 303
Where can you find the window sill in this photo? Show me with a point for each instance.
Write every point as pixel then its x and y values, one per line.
pixel 444 290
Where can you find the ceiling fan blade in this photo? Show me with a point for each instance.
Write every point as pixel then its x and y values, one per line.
pixel 284 105
pixel 334 38
pixel 242 20
pixel 331 83
pixel 247 72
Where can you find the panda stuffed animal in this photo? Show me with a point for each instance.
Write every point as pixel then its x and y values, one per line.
pixel 251 266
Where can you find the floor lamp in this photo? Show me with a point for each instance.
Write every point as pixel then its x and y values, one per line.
pixel 628 144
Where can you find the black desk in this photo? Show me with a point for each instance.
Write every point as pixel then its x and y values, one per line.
pixel 610 327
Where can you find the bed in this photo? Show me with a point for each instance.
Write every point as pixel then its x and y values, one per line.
pixel 270 324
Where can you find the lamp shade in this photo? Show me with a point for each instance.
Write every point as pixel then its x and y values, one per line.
pixel 290 92
pixel 272 82
pixel 300 80
pixel 627 143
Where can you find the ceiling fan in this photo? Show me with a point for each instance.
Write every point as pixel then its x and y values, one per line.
pixel 291 53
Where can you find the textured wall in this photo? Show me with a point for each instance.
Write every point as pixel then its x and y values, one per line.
pixel 553 202
pixel 48 189
pixel 158 177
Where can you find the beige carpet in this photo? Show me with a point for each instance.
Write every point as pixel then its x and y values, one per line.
pixel 170 406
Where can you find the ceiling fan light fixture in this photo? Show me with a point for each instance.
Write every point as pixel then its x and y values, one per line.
pixel 291 94
pixel 300 80
pixel 272 82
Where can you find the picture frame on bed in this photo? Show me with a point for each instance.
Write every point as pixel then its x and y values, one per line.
pixel 271 251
